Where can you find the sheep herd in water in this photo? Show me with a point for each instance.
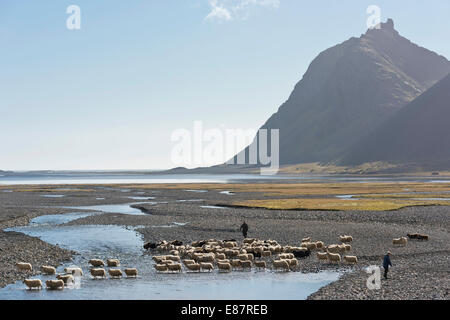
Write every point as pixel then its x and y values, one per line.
pixel 212 254
pixel 228 255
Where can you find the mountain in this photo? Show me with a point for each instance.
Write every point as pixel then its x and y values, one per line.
pixel 419 133
pixel 351 89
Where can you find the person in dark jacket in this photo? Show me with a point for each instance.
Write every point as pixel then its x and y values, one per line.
pixel 244 229
pixel 387 263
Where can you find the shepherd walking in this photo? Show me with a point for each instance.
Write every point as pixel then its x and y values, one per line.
pixel 387 263
pixel 244 229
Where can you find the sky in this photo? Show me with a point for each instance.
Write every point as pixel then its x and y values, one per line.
pixel 111 94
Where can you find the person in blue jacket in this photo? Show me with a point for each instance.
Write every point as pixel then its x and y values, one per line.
pixel 386 263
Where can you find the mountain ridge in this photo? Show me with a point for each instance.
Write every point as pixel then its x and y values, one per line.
pixel 350 89
pixel 418 133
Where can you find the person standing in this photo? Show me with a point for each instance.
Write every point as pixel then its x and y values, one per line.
pixel 244 229
pixel 387 263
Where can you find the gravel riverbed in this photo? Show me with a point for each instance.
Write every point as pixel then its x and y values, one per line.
pixel 421 269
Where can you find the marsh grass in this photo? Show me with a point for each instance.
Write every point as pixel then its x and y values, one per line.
pixel 331 204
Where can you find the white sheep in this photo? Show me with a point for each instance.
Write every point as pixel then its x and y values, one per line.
pixel 33 283
pixel 249 240
pixel 68 279
pixel 333 248
pixel 319 244
pixel 48 270
pixel 246 264
pixel 342 248
pixel 345 238
pixel 224 266
pixel 311 245
pixel 75 271
pixel 228 244
pixel 292 262
pixel 284 256
pixel 242 256
pixel 236 263
pixel 351 259
pixel 206 258
pixel 131 272
pixel 98 272
pixel 224 261
pixel 54 284
pixel 24 266
pixel 260 264
pixel 220 256
pixel 161 267
pixel 115 273
pixel 334 257
pixel 193 266
pixel 281 264
pixel 173 258
pixel 174 267
pixel 113 262
pixel 400 241
pixel 206 266
pixel 322 256
pixel 96 262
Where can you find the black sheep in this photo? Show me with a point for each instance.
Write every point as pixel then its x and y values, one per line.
pixel 301 253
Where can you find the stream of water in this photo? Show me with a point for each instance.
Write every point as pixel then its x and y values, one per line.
pixel 125 244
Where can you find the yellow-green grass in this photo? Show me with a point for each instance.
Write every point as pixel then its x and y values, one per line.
pixel 300 189
pixel 277 189
pixel 331 204
pixel 406 196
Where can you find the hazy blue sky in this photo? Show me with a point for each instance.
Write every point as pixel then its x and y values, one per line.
pixel 108 96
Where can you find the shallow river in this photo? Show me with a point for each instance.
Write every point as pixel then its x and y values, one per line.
pixel 124 243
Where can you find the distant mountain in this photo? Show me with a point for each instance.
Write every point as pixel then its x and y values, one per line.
pixel 417 134
pixel 351 89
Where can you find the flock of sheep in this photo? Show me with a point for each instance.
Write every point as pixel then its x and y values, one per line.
pixel 208 255
pixel 228 255
pixel 68 278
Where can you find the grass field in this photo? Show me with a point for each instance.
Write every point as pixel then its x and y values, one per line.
pixel 367 196
pixel 333 204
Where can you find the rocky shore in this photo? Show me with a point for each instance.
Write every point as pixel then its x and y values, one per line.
pixel 421 269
